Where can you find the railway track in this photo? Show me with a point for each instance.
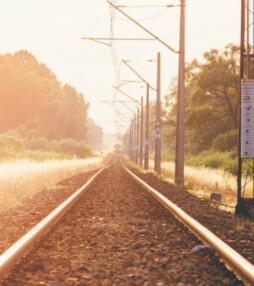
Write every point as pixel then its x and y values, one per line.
pixel 118 234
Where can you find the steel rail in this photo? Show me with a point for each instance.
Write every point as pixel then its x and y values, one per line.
pixel 13 254
pixel 232 259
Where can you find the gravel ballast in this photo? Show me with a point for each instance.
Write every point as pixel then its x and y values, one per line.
pixel 17 221
pixel 234 230
pixel 118 234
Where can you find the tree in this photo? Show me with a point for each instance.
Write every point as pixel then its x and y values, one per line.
pixel 76 108
pixel 95 134
pixel 212 99
pixel 33 101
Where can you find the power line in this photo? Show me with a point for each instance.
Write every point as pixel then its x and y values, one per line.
pixel 146 6
pixel 97 22
pixel 142 27
pixel 118 39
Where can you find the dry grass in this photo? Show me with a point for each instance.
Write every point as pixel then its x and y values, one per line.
pixel 21 179
pixel 203 181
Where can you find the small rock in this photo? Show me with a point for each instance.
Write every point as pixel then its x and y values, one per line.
pixel 86 276
pixel 164 260
pixel 173 266
pixel 201 247
pixel 130 275
pixel 144 232
pixel 160 283
pixel 132 269
pixel 137 262
pixel 81 283
pixel 56 284
pixel 106 282
pixel 137 245
pixel 117 282
pixel 72 279
pixel 94 226
pixel 92 283
pixel 188 265
pixel 122 249
pixel 83 268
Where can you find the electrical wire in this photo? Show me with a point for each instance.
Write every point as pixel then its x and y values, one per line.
pixel 145 6
pixel 117 65
pixel 145 19
pixel 97 22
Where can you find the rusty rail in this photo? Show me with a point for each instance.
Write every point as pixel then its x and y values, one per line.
pixel 13 254
pixel 232 259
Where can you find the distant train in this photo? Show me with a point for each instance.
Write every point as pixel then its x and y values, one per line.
pixel 118 149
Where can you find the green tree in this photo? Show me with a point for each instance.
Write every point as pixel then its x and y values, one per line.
pixel 33 101
pixel 76 108
pixel 95 134
pixel 211 98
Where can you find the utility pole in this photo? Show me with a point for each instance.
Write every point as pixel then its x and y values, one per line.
pixel 248 40
pixel 147 129
pixel 179 164
pixel 137 151
pixel 157 159
pixel 246 131
pixel 239 173
pixel 131 141
pixel 141 134
pixel 135 138
pixel 125 144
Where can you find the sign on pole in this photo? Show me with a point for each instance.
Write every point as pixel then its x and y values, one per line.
pixel 247 120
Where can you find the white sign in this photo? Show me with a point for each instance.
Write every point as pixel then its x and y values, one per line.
pixel 247 120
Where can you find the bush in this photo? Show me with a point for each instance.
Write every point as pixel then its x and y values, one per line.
pixel 12 147
pixel 40 143
pixel 226 161
pixel 225 142
pixel 66 146
pixel 11 142
pixel 71 147
pixel 41 156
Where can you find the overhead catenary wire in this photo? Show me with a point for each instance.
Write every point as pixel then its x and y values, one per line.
pixel 147 18
pixel 97 22
pixel 117 65
pixel 146 6
pixel 142 27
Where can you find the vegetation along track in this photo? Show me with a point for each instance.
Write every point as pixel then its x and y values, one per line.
pixel 118 234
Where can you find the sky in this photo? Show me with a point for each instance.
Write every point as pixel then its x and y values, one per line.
pixel 52 30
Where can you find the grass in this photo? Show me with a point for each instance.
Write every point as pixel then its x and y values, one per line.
pixel 226 161
pixel 11 155
pixel 24 178
pixel 201 182
pixel 215 160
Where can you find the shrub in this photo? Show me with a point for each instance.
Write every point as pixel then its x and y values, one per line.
pixel 67 146
pixel 71 146
pixel 226 161
pixel 40 143
pixel 11 142
pixel 225 142
pixel 12 147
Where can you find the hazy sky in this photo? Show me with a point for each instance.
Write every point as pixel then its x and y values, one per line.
pixel 52 30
